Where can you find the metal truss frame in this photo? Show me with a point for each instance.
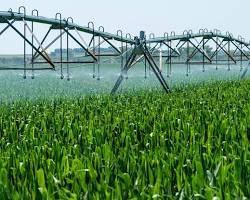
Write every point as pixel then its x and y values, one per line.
pixel 179 49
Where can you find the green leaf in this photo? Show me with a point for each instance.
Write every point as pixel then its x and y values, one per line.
pixel 41 182
pixel 3 177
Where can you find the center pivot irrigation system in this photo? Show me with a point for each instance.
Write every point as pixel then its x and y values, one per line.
pixel 188 48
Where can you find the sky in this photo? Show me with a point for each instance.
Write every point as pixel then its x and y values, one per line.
pixel 132 16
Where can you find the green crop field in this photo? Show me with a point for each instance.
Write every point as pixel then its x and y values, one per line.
pixel 93 110
pixel 191 144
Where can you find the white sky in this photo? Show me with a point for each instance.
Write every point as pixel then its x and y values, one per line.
pixel 131 16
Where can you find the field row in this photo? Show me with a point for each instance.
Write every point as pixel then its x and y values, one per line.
pixel 145 145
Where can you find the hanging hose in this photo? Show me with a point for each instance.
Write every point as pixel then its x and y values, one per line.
pixel 24 43
pixel 185 32
pixel 61 43
pixel 128 36
pixel 101 28
pixel 68 29
pixel 32 40
pixel 120 33
pixel 93 41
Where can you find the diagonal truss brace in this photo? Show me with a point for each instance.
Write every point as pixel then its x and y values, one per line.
pixel 199 48
pixel 176 47
pixel 172 49
pixel 113 46
pixel 87 48
pixel 240 50
pixel 7 27
pixel 30 43
pixel 36 55
pixel 225 51
pixel 81 45
pixel 39 44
